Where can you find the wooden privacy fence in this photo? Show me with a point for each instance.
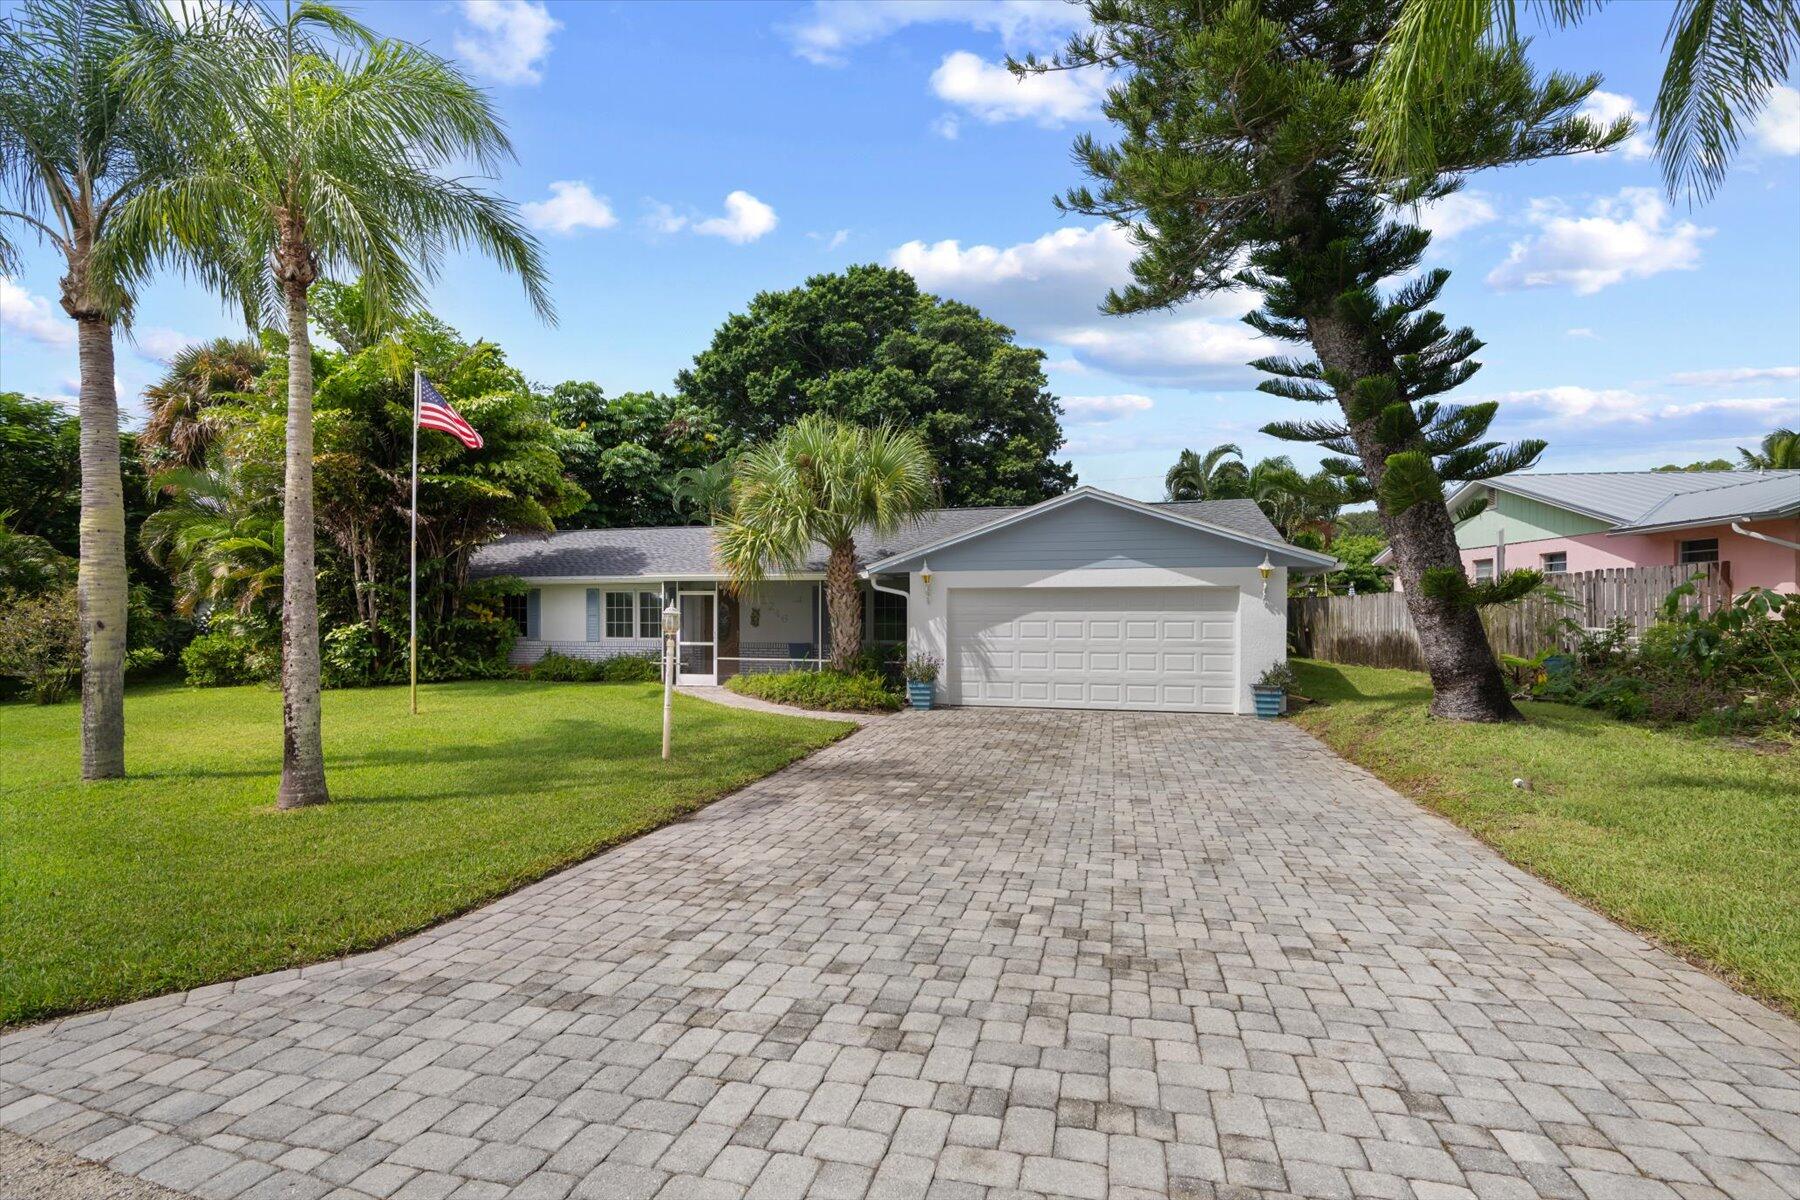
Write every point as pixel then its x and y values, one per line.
pixel 1376 630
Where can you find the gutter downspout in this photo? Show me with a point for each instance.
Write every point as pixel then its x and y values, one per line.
pixel 1764 537
pixel 906 596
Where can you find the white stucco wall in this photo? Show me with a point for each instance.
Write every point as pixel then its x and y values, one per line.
pixel 1262 622
pixel 562 624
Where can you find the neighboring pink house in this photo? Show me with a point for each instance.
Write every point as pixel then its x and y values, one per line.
pixel 1747 520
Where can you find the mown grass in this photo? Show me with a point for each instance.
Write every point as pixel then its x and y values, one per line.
pixel 184 874
pixel 1694 841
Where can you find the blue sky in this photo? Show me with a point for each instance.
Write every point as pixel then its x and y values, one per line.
pixel 677 159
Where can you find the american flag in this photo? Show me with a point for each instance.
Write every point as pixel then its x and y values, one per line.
pixel 435 413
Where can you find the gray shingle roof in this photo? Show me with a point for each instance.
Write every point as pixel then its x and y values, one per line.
pixel 1650 499
pixel 686 550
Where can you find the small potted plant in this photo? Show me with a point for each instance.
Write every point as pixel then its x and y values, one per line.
pixel 1271 689
pixel 921 673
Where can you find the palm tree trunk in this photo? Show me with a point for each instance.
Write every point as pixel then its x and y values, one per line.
pixel 302 746
pixel 845 599
pixel 101 584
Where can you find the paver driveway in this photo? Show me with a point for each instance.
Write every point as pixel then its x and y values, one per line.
pixel 970 954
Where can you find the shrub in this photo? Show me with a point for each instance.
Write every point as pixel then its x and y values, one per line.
pixel 350 657
pixel 922 668
pixel 826 691
pixel 221 659
pixel 40 642
pixel 632 668
pixel 560 668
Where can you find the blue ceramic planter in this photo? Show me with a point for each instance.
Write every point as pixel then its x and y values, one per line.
pixel 919 694
pixel 1269 701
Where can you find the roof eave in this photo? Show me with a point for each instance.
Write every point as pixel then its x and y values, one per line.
pixel 1774 514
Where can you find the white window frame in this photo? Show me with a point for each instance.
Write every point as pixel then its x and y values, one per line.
pixel 1562 565
pixel 649 613
pixel 1681 552
pixel 606 615
pixel 1484 569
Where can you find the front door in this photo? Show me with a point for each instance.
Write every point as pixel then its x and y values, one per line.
pixel 695 647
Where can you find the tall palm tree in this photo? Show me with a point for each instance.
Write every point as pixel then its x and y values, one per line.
pixel 819 482
pixel 703 492
pixel 1725 59
pixel 1206 476
pixel 178 431
pixel 319 161
pixel 1780 451
pixel 74 150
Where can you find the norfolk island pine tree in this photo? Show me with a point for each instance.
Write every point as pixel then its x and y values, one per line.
pixel 319 161
pixel 1239 164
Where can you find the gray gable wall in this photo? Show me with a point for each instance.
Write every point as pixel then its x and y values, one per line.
pixel 1092 533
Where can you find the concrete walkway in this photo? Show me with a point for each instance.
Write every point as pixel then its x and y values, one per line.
pixel 970 955
pixel 731 699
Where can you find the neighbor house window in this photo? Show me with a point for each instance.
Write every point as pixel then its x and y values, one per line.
pixel 620 615
pixel 516 608
pixel 1554 564
pixel 889 617
pixel 1698 550
pixel 649 615
pixel 1484 569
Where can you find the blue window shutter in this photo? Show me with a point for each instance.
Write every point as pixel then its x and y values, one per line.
pixel 533 604
pixel 593 614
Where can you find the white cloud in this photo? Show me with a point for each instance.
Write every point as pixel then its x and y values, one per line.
pixel 33 316
pixel 1094 409
pixel 948 127
pixel 992 93
pixel 1451 215
pixel 1759 407
pixel 159 344
pixel 745 219
pixel 664 219
pixel 1584 404
pixel 1581 331
pixel 832 240
pixel 1606 108
pixel 1050 289
pixel 505 40
pixel 1778 129
pixel 832 28
pixel 572 206
pixel 1725 375
pixel 1629 236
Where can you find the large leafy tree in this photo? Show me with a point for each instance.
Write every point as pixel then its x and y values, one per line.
pixel 821 481
pixel 1726 57
pixel 631 449
pixel 318 162
pixel 868 346
pixel 75 152
pixel 1240 162
pixel 41 483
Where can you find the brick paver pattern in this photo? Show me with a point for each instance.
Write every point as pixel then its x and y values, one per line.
pixel 970 955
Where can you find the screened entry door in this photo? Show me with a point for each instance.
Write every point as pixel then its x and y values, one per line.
pixel 695 648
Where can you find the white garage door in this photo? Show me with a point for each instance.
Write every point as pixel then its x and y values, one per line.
pixel 1147 648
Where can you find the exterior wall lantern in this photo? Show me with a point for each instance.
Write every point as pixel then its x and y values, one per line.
pixel 1265 568
pixel 925 576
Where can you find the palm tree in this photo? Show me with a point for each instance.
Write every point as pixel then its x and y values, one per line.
pixel 1780 452
pixel 74 151
pixel 820 481
pixel 703 492
pixel 178 431
pixel 319 164
pixel 1206 477
pixel 1725 59
pixel 221 545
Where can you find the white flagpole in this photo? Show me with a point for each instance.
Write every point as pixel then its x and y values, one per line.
pixel 413 586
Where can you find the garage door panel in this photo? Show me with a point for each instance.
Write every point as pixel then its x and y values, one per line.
pixel 1144 648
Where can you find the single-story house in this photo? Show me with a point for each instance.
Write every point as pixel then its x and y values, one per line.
pixel 1087 600
pixel 1748 522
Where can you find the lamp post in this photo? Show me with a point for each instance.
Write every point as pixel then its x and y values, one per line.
pixel 671 626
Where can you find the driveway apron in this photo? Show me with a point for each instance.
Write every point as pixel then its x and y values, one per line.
pixel 969 955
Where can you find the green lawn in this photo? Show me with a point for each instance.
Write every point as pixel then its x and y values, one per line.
pixel 185 874
pixel 1694 841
